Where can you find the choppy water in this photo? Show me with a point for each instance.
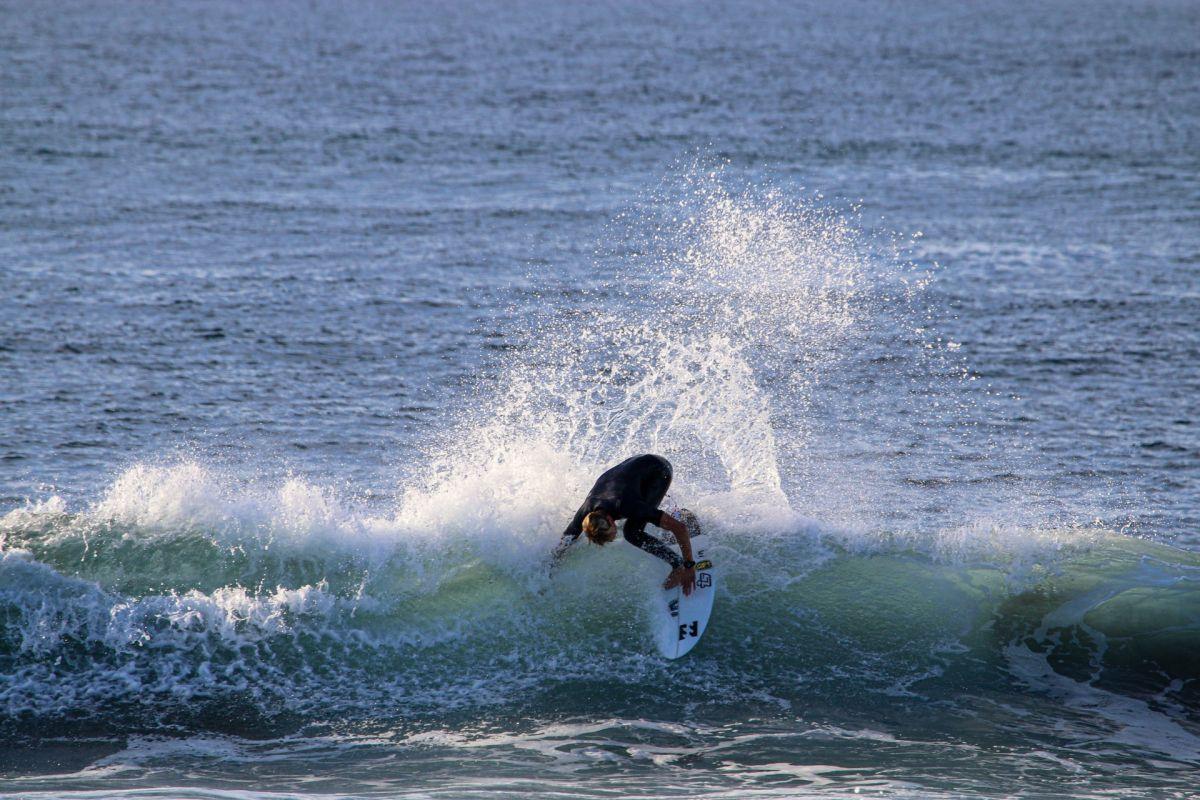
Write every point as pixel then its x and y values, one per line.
pixel 317 321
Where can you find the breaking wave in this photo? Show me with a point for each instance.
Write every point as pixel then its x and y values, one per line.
pixel 745 332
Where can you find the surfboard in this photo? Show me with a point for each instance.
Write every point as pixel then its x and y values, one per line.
pixel 680 620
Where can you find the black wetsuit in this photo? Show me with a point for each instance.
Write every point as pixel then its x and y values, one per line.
pixel 631 491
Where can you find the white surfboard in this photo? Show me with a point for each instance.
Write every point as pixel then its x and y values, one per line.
pixel 679 621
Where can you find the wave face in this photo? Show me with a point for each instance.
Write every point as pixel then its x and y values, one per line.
pixel 192 601
pixel 182 600
pixel 196 619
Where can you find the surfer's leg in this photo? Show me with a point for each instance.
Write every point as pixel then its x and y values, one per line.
pixel 639 538
pixel 654 486
pixel 655 482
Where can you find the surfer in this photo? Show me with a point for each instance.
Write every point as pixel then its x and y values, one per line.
pixel 632 491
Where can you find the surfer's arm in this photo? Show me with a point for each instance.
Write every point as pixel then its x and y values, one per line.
pixel 684 573
pixel 561 548
pixel 669 523
pixel 644 541
pixel 568 538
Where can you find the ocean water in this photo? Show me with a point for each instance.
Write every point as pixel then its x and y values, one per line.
pixel 317 320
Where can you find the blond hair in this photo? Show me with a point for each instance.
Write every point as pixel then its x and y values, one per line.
pixel 599 528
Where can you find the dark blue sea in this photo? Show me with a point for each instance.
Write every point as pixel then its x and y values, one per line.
pixel 318 320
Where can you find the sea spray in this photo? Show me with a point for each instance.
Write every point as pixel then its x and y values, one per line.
pixel 722 309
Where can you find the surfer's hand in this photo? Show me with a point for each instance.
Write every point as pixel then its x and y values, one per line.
pixel 681 576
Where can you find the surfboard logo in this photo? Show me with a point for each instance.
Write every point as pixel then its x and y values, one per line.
pixel 689 629
pixel 706 564
pixel 704 580
pixel 673 607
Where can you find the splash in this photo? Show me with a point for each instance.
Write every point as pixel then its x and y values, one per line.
pixel 720 313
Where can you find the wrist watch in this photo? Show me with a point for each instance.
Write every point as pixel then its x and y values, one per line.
pixel 689 564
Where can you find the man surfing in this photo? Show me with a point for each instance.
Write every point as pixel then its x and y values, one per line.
pixel 632 491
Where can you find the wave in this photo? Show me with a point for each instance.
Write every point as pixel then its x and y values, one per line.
pixel 872 563
pixel 251 609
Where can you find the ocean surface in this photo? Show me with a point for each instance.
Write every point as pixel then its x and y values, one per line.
pixel 317 321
